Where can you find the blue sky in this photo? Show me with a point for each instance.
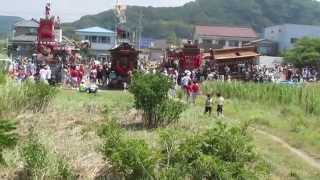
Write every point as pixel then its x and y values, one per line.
pixel 70 10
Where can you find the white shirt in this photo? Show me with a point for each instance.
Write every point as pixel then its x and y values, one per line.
pixel 209 102
pixel 220 101
pixel 185 80
pixel 49 74
pixel 43 74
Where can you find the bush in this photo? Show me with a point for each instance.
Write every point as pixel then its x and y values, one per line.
pixel 8 138
pixel 134 159
pixel 112 134
pixel 41 163
pixel 64 171
pixel 130 158
pixel 218 153
pixel 35 156
pixel 169 112
pixel 151 96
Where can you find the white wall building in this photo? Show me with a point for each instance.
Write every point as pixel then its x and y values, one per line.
pixel 101 40
pixel 286 35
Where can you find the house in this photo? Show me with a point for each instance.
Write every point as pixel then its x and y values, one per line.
pixel 101 40
pixel 287 34
pixel 23 38
pixel 218 37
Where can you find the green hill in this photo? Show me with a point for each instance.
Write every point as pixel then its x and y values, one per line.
pixel 6 23
pixel 159 22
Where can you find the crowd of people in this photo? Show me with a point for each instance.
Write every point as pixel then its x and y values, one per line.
pixel 88 77
pixel 22 70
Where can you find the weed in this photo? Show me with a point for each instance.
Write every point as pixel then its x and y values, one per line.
pixel 35 156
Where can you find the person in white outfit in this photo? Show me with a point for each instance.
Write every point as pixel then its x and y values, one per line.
pixel 43 74
pixel 220 103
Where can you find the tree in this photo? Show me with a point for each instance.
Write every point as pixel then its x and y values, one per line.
pixel 306 52
pixel 159 22
pixel 151 96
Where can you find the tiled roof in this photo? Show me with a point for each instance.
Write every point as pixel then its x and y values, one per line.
pixel 224 31
pixel 95 30
pixel 27 23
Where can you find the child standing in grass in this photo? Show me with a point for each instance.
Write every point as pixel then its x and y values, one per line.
pixel 208 107
pixel 220 103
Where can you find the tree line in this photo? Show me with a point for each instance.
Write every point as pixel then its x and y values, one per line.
pixel 160 22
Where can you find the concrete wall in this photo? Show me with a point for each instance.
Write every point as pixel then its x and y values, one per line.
pixel 286 35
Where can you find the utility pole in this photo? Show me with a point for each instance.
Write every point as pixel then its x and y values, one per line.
pixel 140 28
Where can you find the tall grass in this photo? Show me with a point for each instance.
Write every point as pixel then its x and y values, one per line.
pixel 40 162
pixel 307 97
pixel 15 98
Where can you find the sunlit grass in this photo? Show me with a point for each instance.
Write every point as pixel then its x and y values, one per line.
pixel 70 124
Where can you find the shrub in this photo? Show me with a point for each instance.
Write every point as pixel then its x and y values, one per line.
pixel 134 159
pixel 169 112
pixel 43 163
pixel 151 96
pixel 130 158
pixel 218 153
pixel 112 134
pixel 35 156
pixel 64 171
pixel 8 138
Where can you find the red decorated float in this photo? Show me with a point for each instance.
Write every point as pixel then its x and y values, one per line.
pixel 124 57
pixel 190 57
pixel 51 50
pixel 124 60
pixel 187 58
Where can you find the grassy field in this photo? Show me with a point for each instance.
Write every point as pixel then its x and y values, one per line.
pixel 284 165
pixel 280 110
pixel 69 128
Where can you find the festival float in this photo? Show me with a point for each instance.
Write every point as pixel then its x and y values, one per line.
pixel 187 58
pixel 51 50
pixel 191 57
pixel 124 57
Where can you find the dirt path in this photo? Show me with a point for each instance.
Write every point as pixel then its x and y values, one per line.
pixel 303 155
